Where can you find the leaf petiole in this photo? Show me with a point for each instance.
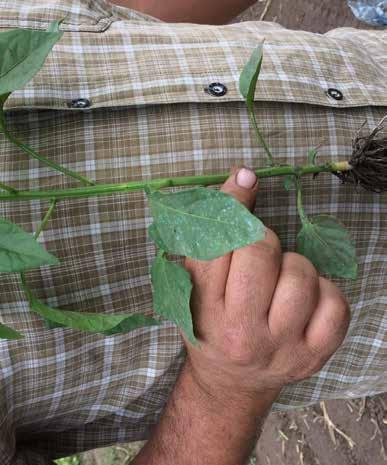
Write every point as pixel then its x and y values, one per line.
pixel 41 158
pixel 46 218
pixel 259 135
pixel 6 188
pixel 300 207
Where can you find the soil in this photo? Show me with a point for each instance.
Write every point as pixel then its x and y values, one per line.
pixel 308 15
pixel 339 432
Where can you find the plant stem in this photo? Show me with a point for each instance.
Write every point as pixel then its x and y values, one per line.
pixel 300 206
pixel 44 160
pixel 260 137
pixel 9 189
pixel 204 180
pixel 43 224
pixel 46 218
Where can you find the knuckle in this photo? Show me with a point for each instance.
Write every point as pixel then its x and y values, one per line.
pixel 273 239
pixel 297 262
pixel 237 348
pixel 310 362
pixel 299 288
pixel 269 249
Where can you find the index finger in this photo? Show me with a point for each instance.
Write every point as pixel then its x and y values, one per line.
pixel 253 276
pixel 211 276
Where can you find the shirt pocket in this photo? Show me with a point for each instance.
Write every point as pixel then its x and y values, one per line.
pixel 134 63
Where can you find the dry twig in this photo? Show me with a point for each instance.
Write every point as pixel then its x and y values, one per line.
pixel 332 428
pixel 266 9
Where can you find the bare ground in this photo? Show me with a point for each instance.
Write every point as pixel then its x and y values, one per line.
pixel 339 432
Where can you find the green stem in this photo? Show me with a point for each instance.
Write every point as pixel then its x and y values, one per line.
pixel 24 286
pixel 6 188
pixel 42 159
pixel 300 207
pixel 260 137
pixel 204 180
pixel 46 218
pixel 37 233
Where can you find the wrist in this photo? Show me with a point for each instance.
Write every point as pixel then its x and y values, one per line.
pixel 219 391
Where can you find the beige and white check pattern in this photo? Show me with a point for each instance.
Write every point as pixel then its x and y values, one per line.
pixel 62 391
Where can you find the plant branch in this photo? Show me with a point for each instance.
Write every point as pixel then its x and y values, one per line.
pixel 204 180
pixel 6 188
pixel 42 159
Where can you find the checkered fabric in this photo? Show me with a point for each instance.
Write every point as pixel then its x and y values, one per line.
pixel 63 391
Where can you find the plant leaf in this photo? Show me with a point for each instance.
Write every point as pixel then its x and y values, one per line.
pixel 171 294
pixel 19 251
pixel 328 246
pixel 8 333
pixel 202 223
pixel 249 75
pixel 289 182
pixel 23 52
pixel 312 154
pixel 91 322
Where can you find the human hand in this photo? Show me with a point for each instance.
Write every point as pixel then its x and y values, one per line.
pixel 263 318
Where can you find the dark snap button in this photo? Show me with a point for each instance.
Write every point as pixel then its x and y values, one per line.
pixel 216 89
pixel 335 94
pixel 80 103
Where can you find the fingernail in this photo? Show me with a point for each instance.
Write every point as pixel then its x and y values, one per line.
pixel 246 178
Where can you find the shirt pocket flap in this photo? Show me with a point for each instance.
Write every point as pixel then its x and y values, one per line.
pixel 135 63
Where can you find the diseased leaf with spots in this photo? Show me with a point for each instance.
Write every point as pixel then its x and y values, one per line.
pixel 328 246
pixel 171 294
pixel 202 223
pixel 8 333
pixel 19 251
pixel 249 75
pixel 23 52
pixel 90 322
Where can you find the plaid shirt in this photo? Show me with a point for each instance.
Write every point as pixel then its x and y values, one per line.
pixel 149 116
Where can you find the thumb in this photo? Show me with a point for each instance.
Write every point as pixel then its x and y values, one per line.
pixel 243 186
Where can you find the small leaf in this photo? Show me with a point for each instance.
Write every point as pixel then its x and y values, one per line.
pixel 328 246
pixel 249 76
pixel 171 294
pixel 19 251
pixel 312 154
pixel 289 182
pixel 8 333
pixel 90 322
pixel 202 223
pixel 23 52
